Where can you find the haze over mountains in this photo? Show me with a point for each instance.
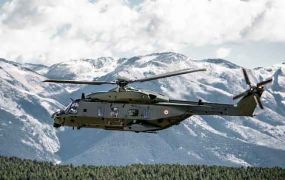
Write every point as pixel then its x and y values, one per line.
pixel 26 104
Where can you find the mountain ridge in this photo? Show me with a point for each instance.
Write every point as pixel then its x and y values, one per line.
pixel 231 141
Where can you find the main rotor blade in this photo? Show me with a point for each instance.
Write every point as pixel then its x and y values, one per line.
pixel 169 74
pixel 246 77
pixel 78 82
pixel 257 100
pixel 264 82
pixel 241 95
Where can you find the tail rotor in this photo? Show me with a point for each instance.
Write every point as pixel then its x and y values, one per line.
pixel 256 90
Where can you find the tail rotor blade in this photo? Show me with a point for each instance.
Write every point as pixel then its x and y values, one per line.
pixel 257 100
pixel 264 82
pixel 241 95
pixel 246 77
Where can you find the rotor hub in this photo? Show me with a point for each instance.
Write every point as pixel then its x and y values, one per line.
pixel 122 83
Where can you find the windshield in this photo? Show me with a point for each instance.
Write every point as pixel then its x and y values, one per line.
pixel 67 107
pixel 72 108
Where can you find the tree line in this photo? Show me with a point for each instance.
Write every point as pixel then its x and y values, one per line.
pixel 16 168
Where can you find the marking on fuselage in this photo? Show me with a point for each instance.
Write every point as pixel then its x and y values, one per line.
pixel 165 112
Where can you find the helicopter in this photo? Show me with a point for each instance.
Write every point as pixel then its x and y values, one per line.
pixel 125 108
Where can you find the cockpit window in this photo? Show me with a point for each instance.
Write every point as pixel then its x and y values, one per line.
pixel 72 108
pixel 67 107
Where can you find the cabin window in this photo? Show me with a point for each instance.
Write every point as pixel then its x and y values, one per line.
pixel 84 110
pixel 133 112
pixel 146 113
pixel 114 112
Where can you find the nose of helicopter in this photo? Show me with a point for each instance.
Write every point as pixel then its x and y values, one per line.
pixel 57 118
pixel 54 115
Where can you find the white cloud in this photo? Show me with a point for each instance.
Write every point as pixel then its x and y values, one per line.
pixel 223 52
pixel 48 31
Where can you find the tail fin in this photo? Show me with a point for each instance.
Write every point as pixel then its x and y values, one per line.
pixel 247 105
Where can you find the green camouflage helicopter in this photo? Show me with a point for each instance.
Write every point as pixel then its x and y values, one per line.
pixel 127 109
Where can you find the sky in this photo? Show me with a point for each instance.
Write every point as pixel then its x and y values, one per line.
pixel 249 33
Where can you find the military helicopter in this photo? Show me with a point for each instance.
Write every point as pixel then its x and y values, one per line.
pixel 127 109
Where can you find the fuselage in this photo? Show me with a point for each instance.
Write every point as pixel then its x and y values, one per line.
pixel 140 111
pixel 119 116
pixel 125 109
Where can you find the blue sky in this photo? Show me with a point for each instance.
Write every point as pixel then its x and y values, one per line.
pixel 248 33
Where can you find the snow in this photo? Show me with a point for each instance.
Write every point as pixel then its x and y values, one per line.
pixel 234 159
pixel 200 122
pixel 84 69
pixel 254 136
pixel 19 95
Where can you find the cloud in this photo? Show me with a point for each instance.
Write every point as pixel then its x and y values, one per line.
pixel 223 52
pixel 48 31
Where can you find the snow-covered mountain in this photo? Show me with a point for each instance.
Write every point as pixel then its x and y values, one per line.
pixel 84 69
pixel 26 105
pixel 39 68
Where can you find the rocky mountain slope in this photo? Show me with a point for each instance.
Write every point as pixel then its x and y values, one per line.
pixel 25 107
pixel 26 104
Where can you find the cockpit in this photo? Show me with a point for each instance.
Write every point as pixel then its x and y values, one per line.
pixel 72 107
